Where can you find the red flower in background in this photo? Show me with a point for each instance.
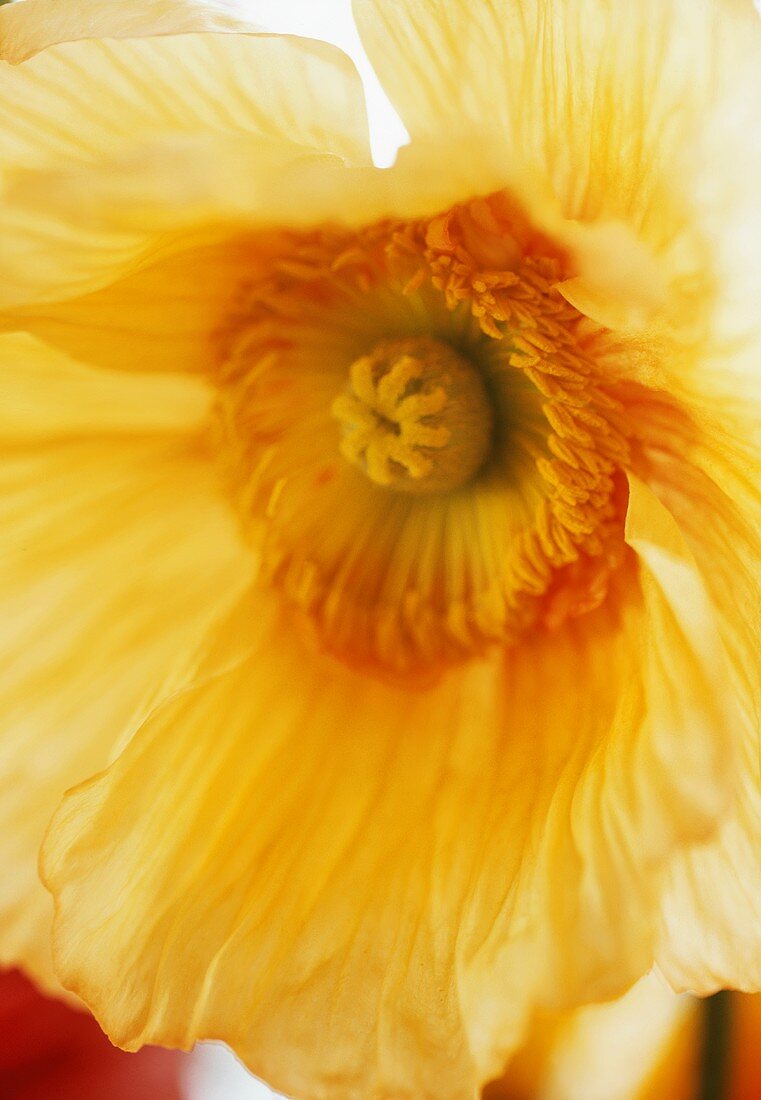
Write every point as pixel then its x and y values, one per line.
pixel 49 1051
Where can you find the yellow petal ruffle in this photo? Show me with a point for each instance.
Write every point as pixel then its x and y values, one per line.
pixel 117 556
pixel 365 887
pixel 619 126
pixel 622 1050
pixel 211 120
pixel 699 451
pixel 362 887
pixel 712 913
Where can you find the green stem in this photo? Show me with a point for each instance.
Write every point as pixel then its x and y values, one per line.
pixel 715 1060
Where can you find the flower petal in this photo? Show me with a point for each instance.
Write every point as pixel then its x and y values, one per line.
pixel 48 397
pixel 685 648
pixel 711 913
pixel 621 127
pixel 186 129
pixel 37 26
pixel 363 886
pixel 699 449
pixel 117 555
pixel 659 780
pixel 712 918
pixel 166 317
pixel 159 79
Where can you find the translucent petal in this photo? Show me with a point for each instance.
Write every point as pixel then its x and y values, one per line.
pixel 37 26
pixel 118 553
pixel 621 127
pixel 186 131
pixel 362 886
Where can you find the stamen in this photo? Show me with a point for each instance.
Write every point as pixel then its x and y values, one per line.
pixel 490 440
pixel 416 416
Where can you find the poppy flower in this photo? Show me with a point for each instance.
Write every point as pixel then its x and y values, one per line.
pixel 382 545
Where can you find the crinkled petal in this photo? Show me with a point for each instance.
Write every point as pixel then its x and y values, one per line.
pixel 364 886
pixel 186 131
pixel 159 80
pixel 699 448
pixel 711 913
pixel 630 131
pixel 118 553
pixel 712 916
pixel 311 909
pixel 659 783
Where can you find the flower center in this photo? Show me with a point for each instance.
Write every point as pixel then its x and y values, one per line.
pixel 425 447
pixel 415 416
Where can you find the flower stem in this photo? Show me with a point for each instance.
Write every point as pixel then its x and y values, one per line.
pixel 715 1061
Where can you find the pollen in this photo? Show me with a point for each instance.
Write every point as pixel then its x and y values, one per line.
pixel 415 416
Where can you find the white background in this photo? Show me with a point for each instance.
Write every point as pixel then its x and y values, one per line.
pixel 332 21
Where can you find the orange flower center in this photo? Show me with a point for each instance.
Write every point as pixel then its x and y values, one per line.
pixel 425 452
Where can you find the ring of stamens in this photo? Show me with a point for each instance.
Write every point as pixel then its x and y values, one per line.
pixel 398 547
pixel 415 416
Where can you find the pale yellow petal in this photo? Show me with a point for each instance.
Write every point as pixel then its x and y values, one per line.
pixel 165 317
pixel 363 887
pixel 649 1045
pixel 703 465
pixel 612 1051
pixel 712 914
pixel 659 781
pixel 37 24
pixel 49 397
pixel 118 553
pixel 630 131
pixel 186 131
pixel 689 678
pixel 155 78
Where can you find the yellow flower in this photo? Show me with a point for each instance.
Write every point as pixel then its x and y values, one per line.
pixel 390 538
